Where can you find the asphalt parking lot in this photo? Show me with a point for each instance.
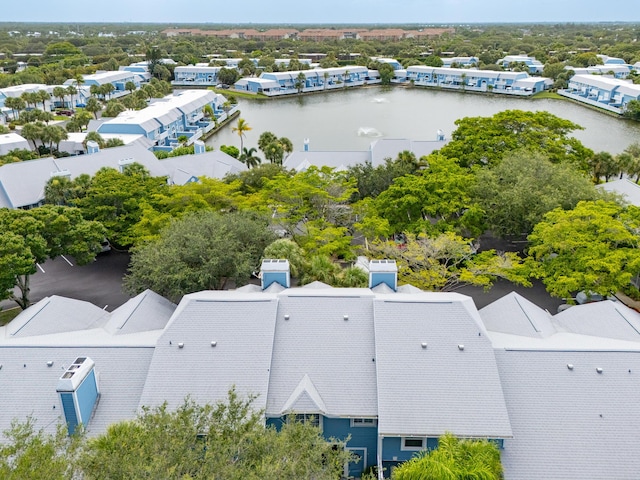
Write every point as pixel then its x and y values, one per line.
pixel 101 284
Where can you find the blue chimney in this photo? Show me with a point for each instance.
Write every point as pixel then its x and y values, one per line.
pixel 92 147
pixel 275 271
pixel 383 271
pixel 306 144
pixel 198 147
pixel 78 390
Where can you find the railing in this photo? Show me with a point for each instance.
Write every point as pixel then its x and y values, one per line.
pixel 588 101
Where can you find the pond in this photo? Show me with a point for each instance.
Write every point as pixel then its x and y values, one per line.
pixel 352 119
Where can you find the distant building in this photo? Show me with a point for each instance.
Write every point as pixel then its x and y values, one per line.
pixel 534 66
pixel 166 119
pixel 22 184
pixel 511 83
pixel 608 93
pixel 284 83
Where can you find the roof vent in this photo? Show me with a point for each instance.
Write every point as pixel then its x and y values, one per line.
pixel 383 271
pixel 49 363
pixel 346 317
pixel 275 271
pixel 424 344
pixel 570 366
pixel 286 317
pixel 61 173
pixel 214 343
pixel 599 370
pixel 181 345
pixel 460 347
pixel 122 164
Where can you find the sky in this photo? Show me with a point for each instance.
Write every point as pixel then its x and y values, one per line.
pixel 322 11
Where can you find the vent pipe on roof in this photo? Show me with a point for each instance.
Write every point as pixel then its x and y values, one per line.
pixel 78 390
pixel 383 271
pixel 275 271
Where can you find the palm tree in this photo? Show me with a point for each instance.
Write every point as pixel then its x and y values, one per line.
pixel 71 90
pixel 93 106
pixel 300 81
pixel 326 78
pixel 131 86
pixel 60 93
pixel 207 110
pixel 43 96
pixel 30 98
pixel 287 146
pixel 241 128
pixel 54 134
pixel 94 137
pixel 107 89
pixel 249 157
pixel 16 104
pixel 33 132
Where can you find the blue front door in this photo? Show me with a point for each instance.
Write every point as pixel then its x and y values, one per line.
pixel 360 462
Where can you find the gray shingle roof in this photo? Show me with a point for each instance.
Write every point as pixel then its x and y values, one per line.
pixel 516 315
pixel 570 424
pixel 449 385
pixel 629 190
pixel 28 385
pixel 601 319
pixel 24 182
pixel 242 326
pixel 213 164
pixel 336 355
pixel 55 315
pixel 147 311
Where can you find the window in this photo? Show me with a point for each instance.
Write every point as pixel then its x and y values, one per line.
pixel 413 443
pixel 364 422
pixel 307 418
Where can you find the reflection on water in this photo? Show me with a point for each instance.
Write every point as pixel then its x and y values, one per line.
pixel 342 120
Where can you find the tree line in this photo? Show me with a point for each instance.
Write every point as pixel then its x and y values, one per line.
pixel 517 175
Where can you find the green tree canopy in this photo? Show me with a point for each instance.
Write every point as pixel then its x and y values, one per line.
pixel 200 251
pixel 434 199
pixel 485 140
pixel 594 247
pixel 226 440
pixel 28 237
pixel 115 199
pixel 516 193
pixel 30 454
pixel 454 459
pixel 446 261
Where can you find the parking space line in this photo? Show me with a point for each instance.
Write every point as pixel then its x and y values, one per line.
pixel 66 260
pixel 41 269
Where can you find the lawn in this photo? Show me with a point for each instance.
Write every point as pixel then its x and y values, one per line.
pixel 7 315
